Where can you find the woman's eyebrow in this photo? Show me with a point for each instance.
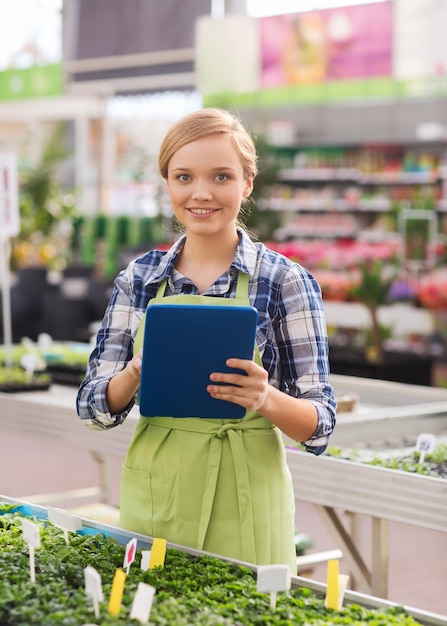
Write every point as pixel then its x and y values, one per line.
pixel 220 168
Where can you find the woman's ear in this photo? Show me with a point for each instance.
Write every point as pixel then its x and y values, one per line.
pixel 248 187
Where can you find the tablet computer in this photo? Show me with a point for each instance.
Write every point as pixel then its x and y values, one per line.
pixel 183 344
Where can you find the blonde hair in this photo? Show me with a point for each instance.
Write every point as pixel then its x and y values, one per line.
pixel 201 124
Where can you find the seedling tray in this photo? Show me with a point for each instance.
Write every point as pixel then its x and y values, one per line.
pixel 145 542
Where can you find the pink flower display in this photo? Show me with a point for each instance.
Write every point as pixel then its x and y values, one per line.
pixel 432 289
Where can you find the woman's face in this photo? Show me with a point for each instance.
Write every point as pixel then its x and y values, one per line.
pixel 206 184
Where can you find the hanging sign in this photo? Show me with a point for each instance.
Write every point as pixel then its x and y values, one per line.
pixel 9 196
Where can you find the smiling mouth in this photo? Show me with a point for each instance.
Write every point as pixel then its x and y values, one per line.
pixel 202 211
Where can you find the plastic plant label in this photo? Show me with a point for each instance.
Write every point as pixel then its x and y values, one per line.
pixel 31 534
pixel 129 557
pixel 336 586
pixel 424 445
pixel 64 520
pixel 158 553
pixel 273 578
pixel 145 559
pixel 116 595
pixel 93 587
pixel 29 362
pixel 142 603
pixel 332 584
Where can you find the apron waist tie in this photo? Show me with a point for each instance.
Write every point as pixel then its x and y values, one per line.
pixel 232 430
pixel 242 486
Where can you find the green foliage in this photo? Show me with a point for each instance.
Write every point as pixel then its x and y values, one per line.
pixel 435 462
pixel 44 204
pixel 11 376
pixel 372 289
pixel 263 223
pixel 199 590
pixel 375 282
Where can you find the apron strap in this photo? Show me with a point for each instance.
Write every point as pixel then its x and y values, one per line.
pixel 162 288
pixel 241 287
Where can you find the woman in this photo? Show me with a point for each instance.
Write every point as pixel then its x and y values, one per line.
pixel 222 486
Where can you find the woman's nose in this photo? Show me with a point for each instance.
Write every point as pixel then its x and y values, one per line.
pixel 201 192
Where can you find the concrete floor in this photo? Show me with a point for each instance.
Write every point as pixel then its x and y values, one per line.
pixel 417 557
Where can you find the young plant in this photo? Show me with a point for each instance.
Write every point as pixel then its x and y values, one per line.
pixel 372 289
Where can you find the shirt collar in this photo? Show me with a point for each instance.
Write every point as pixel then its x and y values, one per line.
pixel 244 259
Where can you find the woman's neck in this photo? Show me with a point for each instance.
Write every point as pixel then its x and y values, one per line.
pixel 203 260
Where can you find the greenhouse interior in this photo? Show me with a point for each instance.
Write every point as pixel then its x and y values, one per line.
pixel 293 149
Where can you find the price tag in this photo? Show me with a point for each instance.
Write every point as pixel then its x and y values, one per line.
pixel 158 553
pixel 31 534
pixel 129 557
pixel 93 587
pixel 424 445
pixel 142 603
pixel 273 578
pixel 64 520
pixel 116 595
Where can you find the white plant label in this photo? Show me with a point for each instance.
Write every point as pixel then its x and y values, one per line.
pixel 31 534
pixel 273 578
pixel 93 587
pixel 424 445
pixel 129 557
pixel 142 603
pixel 64 520
pixel 145 559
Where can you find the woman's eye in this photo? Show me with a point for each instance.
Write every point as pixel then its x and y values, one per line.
pixel 183 177
pixel 222 177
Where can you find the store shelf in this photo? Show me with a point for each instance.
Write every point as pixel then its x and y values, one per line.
pixel 365 182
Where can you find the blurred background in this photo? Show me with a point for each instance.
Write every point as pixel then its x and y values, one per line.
pixel 346 101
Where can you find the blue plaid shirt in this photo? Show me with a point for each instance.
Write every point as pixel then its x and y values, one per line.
pixel 291 334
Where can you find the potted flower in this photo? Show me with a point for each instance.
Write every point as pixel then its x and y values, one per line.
pixel 372 288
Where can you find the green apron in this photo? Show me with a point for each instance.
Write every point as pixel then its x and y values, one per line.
pixel 222 486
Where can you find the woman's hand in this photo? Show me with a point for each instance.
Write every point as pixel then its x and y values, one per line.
pixel 296 417
pixel 249 391
pixel 123 386
pixel 134 366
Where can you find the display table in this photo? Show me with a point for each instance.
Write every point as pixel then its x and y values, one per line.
pixel 387 412
pixel 145 542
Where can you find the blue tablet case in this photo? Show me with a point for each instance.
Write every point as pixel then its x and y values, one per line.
pixel 182 345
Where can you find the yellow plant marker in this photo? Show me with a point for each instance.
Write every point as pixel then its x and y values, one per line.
pixel 332 592
pixel 116 595
pixel 158 553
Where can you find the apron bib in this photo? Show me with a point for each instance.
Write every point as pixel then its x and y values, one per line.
pixel 222 486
